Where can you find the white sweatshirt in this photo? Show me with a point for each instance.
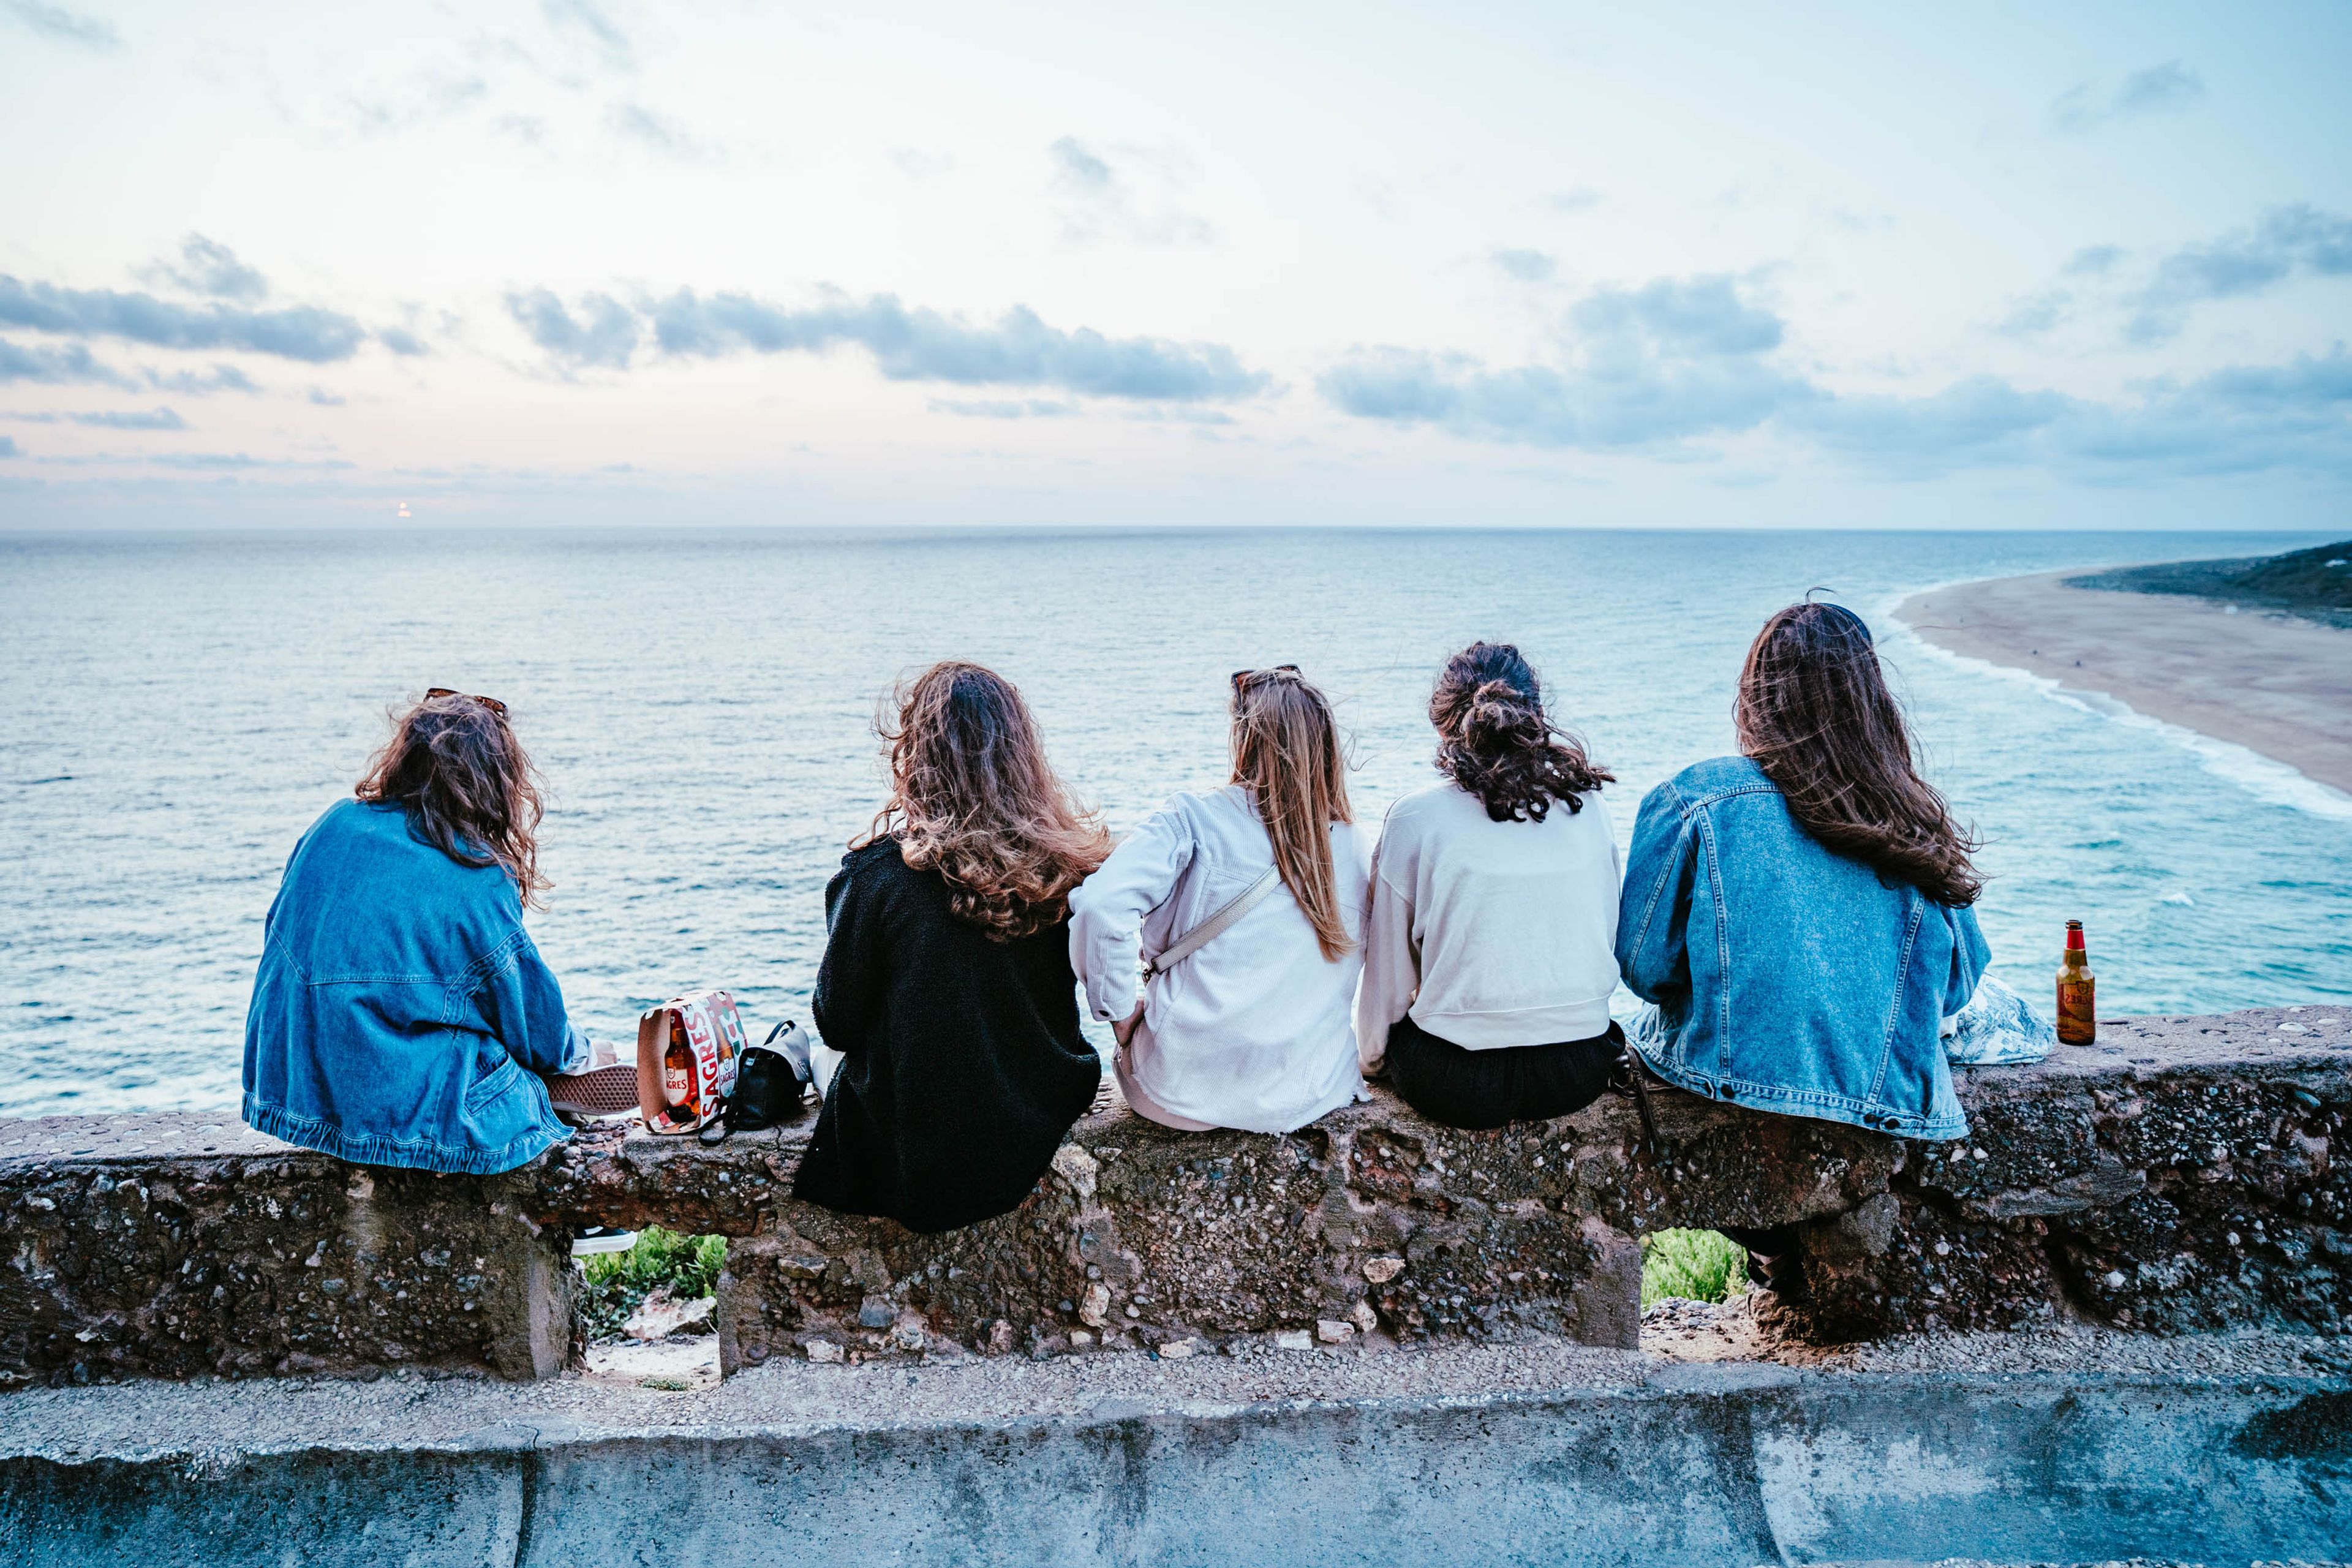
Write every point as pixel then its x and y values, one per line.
pixel 1251 1031
pixel 1490 933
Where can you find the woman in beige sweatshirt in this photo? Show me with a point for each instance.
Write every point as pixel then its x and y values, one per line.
pixel 1489 953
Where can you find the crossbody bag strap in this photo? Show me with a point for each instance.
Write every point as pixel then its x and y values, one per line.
pixel 1209 930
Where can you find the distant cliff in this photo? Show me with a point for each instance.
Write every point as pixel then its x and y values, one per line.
pixel 2313 584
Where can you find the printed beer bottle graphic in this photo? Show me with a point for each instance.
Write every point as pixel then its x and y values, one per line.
pixel 678 1069
pixel 2078 1010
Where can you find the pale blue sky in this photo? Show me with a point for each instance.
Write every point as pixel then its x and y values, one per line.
pixel 590 261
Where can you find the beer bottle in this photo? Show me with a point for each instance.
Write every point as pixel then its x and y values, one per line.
pixel 677 1070
pixel 2078 1008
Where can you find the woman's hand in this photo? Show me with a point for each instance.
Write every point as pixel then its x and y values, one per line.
pixel 1124 1030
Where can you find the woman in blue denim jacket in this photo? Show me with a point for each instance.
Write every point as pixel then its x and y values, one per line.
pixel 401 1013
pixel 1800 914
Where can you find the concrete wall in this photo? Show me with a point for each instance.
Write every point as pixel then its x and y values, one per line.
pixel 2178 1175
pixel 1733 1466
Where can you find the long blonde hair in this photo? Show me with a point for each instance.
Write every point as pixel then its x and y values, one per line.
pixel 972 795
pixel 1287 753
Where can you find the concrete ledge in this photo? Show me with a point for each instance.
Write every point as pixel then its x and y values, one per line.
pixel 2179 1176
pixel 1624 1462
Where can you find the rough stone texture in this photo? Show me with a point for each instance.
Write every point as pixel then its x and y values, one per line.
pixel 2175 1177
pixel 2178 1176
pixel 251 1257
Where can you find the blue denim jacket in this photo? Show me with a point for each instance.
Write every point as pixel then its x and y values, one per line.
pixel 398 1003
pixel 1787 978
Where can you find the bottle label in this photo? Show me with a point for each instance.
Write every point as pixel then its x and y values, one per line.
pixel 2078 1017
pixel 677 1085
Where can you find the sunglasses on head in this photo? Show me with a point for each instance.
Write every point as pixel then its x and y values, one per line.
pixel 1243 677
pixel 492 703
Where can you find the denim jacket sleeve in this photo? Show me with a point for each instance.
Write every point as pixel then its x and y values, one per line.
pixel 524 1007
pixel 1655 908
pixel 1970 956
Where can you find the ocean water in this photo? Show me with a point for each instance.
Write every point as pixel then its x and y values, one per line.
pixel 179 709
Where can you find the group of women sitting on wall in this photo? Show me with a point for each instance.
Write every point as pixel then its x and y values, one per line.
pixel 1797 916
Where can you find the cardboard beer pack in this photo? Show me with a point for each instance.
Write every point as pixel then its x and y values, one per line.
pixel 682 1090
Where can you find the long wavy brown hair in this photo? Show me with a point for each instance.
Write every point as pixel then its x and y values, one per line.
pixel 1815 714
pixel 454 765
pixel 1495 739
pixel 1287 752
pixel 972 796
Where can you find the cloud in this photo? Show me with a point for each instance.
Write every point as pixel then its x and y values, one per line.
pixel 1580 198
pixel 401 341
pixel 605 334
pixel 1656 367
pixel 2157 90
pixel 134 419
pixel 1523 265
pixel 195 383
pixel 1649 367
pixel 2036 313
pixel 1004 408
pixel 588 20
pixel 209 267
pixel 301 332
pixel 660 134
pixel 323 398
pixel 9 448
pixel 207 461
pixel 66 27
pixel 2286 240
pixel 1018 349
pixel 918 165
pixel 64 362
pixel 1096 200
pixel 2092 261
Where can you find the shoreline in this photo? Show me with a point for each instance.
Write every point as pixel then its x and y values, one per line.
pixel 2276 684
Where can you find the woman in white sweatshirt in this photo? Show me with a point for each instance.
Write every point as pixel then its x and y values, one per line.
pixel 1251 1028
pixel 1490 955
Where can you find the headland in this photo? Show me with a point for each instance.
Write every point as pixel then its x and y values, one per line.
pixel 2233 665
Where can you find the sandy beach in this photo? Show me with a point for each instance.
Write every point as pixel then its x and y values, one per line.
pixel 2272 683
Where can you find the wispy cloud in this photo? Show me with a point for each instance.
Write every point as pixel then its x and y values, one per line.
pixel 209 268
pixel 401 341
pixel 2156 89
pixel 661 134
pixel 1097 198
pixel 1017 348
pixel 55 363
pixel 1523 265
pixel 1576 199
pixel 199 383
pixel 918 164
pixel 131 419
pixel 603 334
pixel 9 448
pixel 1656 367
pixel 1003 408
pixel 299 333
pixel 586 19
pixel 2287 241
pixel 64 26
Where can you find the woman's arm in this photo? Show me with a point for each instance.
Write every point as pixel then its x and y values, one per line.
pixel 1655 907
pixel 1107 911
pixel 1391 968
pixel 523 1006
pixel 850 978
pixel 1971 955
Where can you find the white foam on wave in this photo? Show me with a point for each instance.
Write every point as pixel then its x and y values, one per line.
pixel 2265 778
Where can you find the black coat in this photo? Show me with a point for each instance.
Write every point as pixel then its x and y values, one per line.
pixel 964 1065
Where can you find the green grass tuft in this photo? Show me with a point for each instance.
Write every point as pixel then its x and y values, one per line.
pixel 1696 1264
pixel 686 1265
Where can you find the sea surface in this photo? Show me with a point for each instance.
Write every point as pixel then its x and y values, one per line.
pixel 179 709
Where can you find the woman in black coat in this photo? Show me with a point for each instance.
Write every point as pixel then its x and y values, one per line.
pixel 946 984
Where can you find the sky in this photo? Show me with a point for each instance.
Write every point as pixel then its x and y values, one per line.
pixel 1273 263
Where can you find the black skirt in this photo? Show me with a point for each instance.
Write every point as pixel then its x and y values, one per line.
pixel 1478 1089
